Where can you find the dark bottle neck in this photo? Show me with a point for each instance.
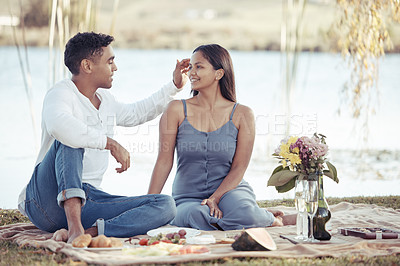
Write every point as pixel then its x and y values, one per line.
pixel 320 186
pixel 322 203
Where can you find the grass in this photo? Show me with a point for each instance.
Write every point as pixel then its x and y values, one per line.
pixel 386 201
pixel 12 254
pixel 11 217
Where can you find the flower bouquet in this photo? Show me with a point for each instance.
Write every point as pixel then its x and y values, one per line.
pixel 301 158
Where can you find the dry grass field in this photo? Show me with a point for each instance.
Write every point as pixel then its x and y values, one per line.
pixel 185 24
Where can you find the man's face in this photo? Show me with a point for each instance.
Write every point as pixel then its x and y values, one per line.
pixel 103 68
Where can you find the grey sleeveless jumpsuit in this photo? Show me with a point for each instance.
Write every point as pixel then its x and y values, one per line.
pixel 204 159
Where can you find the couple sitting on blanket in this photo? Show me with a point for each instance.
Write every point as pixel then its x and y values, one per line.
pixel 212 134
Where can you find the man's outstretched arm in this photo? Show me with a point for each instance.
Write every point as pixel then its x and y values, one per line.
pixel 147 109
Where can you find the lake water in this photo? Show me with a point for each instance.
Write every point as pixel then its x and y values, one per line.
pixel 316 99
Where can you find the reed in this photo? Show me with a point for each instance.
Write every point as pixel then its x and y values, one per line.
pixel 25 69
pixel 68 17
pixel 291 29
pixel 114 16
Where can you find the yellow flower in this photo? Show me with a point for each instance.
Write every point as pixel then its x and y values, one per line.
pixel 292 140
pixel 294 159
pixel 284 150
pixel 283 163
pixel 296 150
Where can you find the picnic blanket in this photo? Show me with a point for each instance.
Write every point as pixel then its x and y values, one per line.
pixel 343 215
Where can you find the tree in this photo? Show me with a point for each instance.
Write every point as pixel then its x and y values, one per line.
pixel 37 14
pixel 363 38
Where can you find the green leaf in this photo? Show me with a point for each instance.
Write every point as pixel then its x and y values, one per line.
pixel 332 173
pixel 277 169
pixel 286 187
pixel 279 178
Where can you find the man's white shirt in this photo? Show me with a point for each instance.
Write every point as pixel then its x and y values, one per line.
pixel 71 118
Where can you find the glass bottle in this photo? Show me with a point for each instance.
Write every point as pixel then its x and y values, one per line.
pixel 323 213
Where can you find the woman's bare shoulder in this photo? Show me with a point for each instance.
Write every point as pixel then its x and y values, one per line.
pixel 174 111
pixel 243 117
pixel 174 106
pixel 244 110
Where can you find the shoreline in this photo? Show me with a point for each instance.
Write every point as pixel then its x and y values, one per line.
pixel 38 37
pixel 270 47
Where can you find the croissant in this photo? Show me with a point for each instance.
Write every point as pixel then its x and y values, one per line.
pixel 115 242
pixel 82 241
pixel 100 241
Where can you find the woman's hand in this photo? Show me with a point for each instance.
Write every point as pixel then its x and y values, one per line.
pixel 214 209
pixel 180 73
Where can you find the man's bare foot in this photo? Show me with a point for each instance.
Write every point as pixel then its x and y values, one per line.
pixel 74 233
pixel 72 236
pixel 60 235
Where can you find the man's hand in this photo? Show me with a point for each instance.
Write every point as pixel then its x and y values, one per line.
pixel 120 154
pixel 180 72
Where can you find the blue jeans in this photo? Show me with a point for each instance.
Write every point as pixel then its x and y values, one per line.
pixel 59 177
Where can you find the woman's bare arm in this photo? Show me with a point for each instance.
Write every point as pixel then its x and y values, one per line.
pixel 168 129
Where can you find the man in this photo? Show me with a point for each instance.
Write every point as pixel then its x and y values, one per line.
pixel 78 120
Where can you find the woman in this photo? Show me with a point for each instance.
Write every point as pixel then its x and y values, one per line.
pixel 214 138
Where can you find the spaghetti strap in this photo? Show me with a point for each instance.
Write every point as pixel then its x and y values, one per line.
pixel 184 107
pixel 233 110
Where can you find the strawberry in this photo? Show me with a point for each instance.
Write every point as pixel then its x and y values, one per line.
pixel 143 242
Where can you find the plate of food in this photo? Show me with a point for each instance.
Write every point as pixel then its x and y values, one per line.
pixel 182 231
pixel 167 249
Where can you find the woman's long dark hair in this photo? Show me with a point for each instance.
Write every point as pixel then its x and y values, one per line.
pixel 219 58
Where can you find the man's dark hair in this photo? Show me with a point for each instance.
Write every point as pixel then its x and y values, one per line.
pixel 86 45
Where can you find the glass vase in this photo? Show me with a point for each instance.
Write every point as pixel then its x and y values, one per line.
pixel 300 199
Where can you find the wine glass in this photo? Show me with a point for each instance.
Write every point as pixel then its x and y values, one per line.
pixel 300 203
pixel 311 205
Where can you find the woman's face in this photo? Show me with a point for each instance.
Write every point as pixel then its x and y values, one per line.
pixel 201 72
